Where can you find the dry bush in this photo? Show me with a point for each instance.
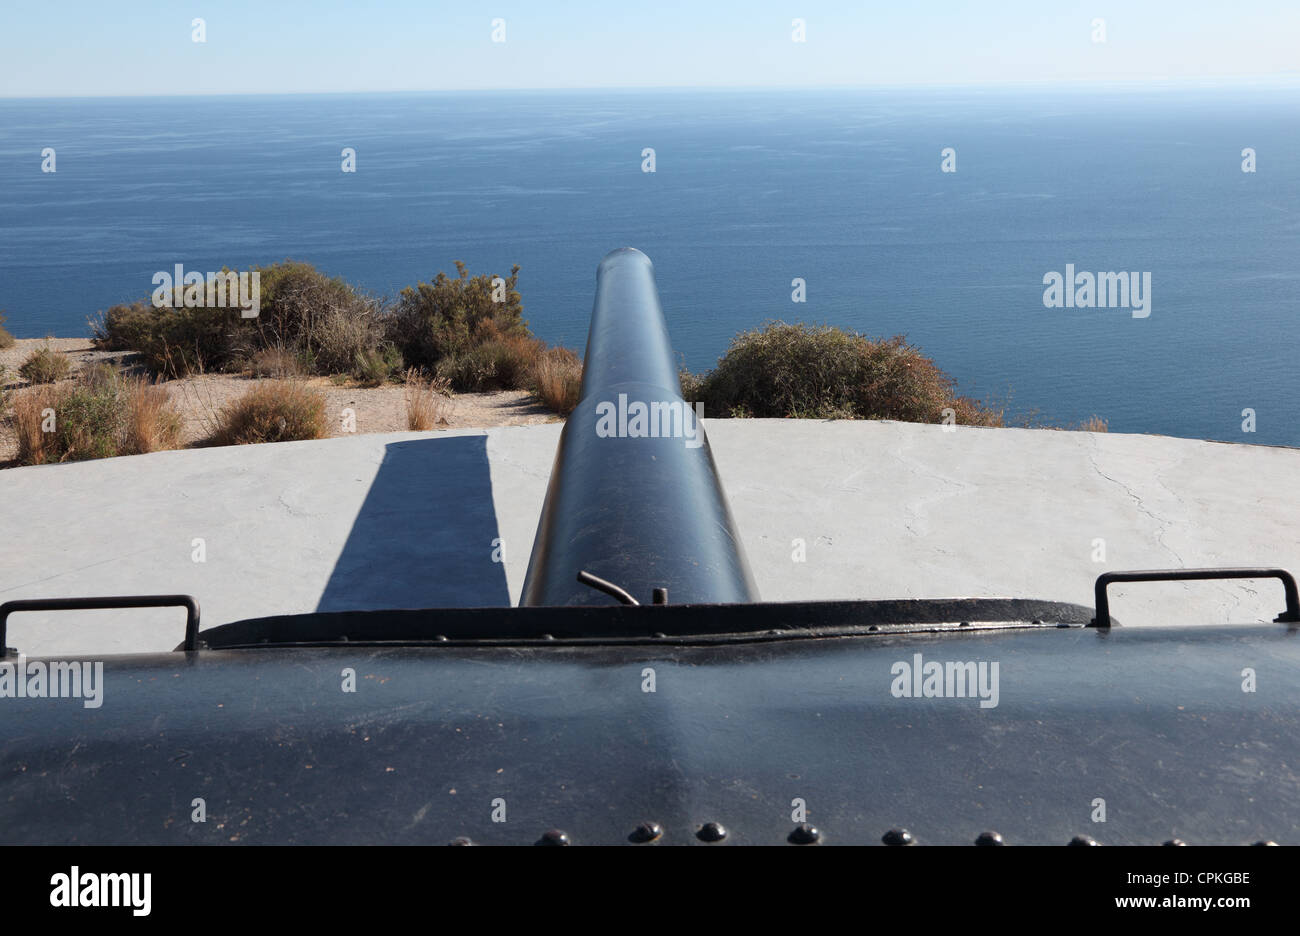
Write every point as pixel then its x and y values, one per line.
pixel 100 375
pixel 556 379
pixel 426 401
pixel 273 411
pixel 276 362
pixel 1093 424
pixel 499 362
pixel 344 333
pixel 326 319
pixel 515 357
pixel 100 415
pixel 152 424
pixel 974 413
pixel 45 365
pixel 6 338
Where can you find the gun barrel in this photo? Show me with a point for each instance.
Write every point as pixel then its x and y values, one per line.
pixel 634 496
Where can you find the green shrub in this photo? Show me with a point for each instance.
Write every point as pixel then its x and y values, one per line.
pixel 692 385
pixel 45 366
pixel 470 371
pixel 820 372
pixel 124 327
pixel 273 411
pixel 90 423
pixel 447 318
pixel 377 366
pixel 450 327
pixel 321 320
pixel 174 342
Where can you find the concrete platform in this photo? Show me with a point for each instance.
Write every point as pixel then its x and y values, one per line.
pixel 884 510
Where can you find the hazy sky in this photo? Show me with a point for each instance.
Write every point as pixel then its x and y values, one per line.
pixel 102 47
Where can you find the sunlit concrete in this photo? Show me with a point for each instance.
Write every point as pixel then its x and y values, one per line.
pixel 826 510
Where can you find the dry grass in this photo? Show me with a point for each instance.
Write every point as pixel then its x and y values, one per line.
pixel 152 424
pixel 556 378
pixel 273 411
pixel 34 445
pixel 1093 424
pixel 426 401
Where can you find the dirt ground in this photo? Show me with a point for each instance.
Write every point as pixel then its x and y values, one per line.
pixel 199 399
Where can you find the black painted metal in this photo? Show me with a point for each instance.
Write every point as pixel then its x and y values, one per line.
pixel 630 624
pixel 733 733
pixel 1290 615
pixel 640 512
pixel 188 602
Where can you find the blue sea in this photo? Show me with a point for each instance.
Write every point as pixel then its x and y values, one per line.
pixel 752 189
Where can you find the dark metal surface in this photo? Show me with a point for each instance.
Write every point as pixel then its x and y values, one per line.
pixel 1152 720
pixel 188 602
pixel 1291 614
pixel 632 624
pixel 639 512
pixel 804 834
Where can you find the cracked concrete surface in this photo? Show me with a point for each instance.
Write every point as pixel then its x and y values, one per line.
pixel 883 509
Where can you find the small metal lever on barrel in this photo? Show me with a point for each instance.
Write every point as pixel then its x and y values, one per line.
pixel 660 595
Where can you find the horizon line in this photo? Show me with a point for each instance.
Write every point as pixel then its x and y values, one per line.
pixel 1279 79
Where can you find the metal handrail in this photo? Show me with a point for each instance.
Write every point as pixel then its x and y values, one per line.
pixel 188 602
pixel 1290 615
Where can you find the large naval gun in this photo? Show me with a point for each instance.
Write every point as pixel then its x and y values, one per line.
pixel 643 694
